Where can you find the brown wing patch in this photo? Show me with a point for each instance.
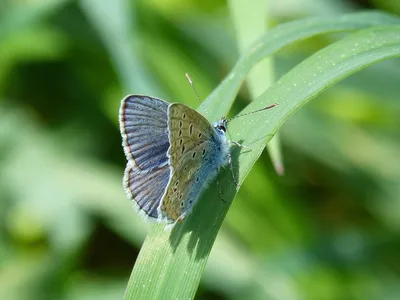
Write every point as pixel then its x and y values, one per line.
pixel 189 133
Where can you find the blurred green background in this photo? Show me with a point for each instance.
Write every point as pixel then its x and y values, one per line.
pixel 328 229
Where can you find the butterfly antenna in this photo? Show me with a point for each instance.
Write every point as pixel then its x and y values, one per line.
pixel 197 94
pixel 252 112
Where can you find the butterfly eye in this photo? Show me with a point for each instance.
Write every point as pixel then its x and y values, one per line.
pixel 199 135
pixel 222 128
pixel 197 179
pixel 182 204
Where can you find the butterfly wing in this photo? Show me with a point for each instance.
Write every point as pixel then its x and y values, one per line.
pixel 144 130
pixel 146 188
pixel 192 139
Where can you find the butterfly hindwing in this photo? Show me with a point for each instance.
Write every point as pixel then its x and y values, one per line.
pixel 144 129
pixel 192 142
pixel 146 188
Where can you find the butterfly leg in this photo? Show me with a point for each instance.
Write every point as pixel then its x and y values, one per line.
pixel 180 219
pixel 240 145
pixel 231 167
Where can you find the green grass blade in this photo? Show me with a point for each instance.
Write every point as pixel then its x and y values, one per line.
pixel 312 77
pixel 251 22
pixel 170 263
pixel 221 99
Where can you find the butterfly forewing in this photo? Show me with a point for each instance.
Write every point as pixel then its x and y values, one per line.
pixel 144 129
pixel 191 139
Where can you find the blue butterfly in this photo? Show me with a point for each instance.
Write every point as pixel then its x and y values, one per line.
pixel 173 152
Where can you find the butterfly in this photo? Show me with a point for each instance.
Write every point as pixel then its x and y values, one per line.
pixel 173 152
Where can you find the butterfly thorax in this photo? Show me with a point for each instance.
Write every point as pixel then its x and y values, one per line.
pixel 222 151
pixel 220 127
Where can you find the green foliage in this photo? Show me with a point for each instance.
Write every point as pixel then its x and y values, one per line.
pixel 328 229
pixel 171 263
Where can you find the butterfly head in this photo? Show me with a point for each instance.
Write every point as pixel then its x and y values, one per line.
pixel 221 126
